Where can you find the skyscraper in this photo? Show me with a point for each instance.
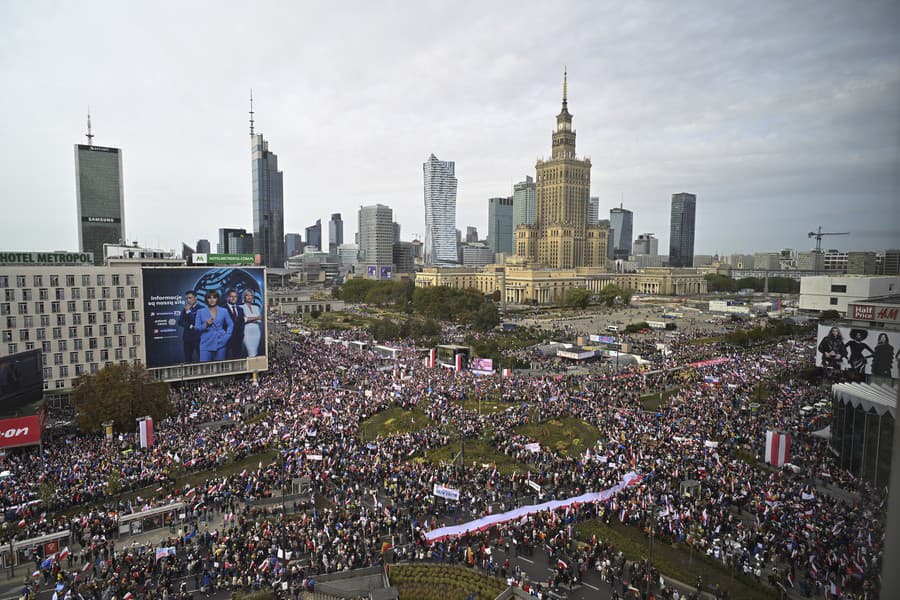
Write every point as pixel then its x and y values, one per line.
pixel 646 244
pixel 471 234
pixel 621 223
pixel 561 237
pixel 681 230
pixel 396 229
pixel 234 241
pixel 593 210
pixel 376 241
pixel 500 225
pixel 203 246
pixel 440 211
pixel 314 235
pixel 335 233
pixel 523 202
pixel 100 195
pixel 293 244
pixel 268 201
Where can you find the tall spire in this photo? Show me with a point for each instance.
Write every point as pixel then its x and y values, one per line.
pixel 89 135
pixel 251 111
pixel 565 86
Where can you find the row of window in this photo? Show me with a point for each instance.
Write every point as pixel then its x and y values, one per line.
pixel 59 384
pixel 10 295
pixel 70 278
pixel 87 306
pixel 63 345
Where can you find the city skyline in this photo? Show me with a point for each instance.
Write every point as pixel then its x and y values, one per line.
pixel 784 115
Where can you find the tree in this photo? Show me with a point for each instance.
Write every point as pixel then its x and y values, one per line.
pixel 577 298
pixel 486 318
pixel 119 393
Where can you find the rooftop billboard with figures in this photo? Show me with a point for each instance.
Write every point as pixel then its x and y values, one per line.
pixel 858 351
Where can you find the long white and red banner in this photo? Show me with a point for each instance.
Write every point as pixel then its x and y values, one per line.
pixel 436 535
pixel 778 448
pixel 146 429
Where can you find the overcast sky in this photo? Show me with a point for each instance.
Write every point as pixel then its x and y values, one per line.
pixel 780 116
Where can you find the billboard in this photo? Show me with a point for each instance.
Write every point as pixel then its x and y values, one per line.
pixel 181 329
pixel 21 380
pixel 21 431
pixel 858 350
pixel 482 364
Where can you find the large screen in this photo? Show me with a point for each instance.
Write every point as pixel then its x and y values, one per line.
pixel 21 380
pixel 198 314
pixel 858 349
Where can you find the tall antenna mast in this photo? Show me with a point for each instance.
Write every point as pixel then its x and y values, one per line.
pixel 90 136
pixel 251 111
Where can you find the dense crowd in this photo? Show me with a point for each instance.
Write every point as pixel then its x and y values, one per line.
pixel 772 525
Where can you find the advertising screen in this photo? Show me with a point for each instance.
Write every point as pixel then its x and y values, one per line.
pixel 21 380
pixel 199 314
pixel 482 364
pixel 865 351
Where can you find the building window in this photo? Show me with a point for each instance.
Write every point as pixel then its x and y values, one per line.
pixel 5 308
pixel 833 301
pixel 79 370
pixel 7 335
pixel 120 292
pixel 23 308
pixel 122 340
pixel 10 294
pixel 28 321
pixel 79 344
pixel 134 291
pixel 64 371
pixel 59 384
pixel 86 306
pixel 70 280
pixel 101 279
pixel 104 330
pixel 104 355
pixel 60 319
pixel 115 279
pixel 45 347
pixel 58 358
pixel 70 306
pixel 94 368
pixel 92 293
pixel 101 305
pixel 105 292
pixel 85 280
pixel 119 354
pixel 107 342
pixel 129 278
pixel 20 281
pixel 4 281
pixel 129 304
pixel 54 306
pixel 73 358
pixel 29 345
pixel 38 280
pixel 73 331
pixel 60 293
pixel 10 322
pixel 76 293
pixel 27 294
pixel 63 345
pixel 23 335
pixel 88 356
pixel 44 294
pixel 88 331
pixel 76 319
pixel 117 304
pixel 13 348
pixel 92 318
pixel 838 289
pixel 45 320
pixel 57 333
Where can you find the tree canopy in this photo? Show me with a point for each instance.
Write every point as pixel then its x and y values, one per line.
pixel 119 393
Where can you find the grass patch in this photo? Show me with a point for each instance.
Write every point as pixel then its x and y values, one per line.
pixel 706 340
pixel 674 560
pixel 477 451
pixel 653 402
pixel 337 321
pixel 567 436
pixel 420 581
pixel 393 421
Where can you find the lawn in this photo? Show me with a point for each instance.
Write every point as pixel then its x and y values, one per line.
pixel 675 561
pixel 485 407
pixel 567 436
pixel 422 581
pixel 477 451
pixel 393 421
pixel 337 321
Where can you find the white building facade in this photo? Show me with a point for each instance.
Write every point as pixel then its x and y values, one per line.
pixel 824 292
pixel 440 211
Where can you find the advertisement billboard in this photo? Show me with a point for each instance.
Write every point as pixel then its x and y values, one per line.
pixel 21 431
pixel 858 350
pixel 190 316
pixel 482 364
pixel 21 380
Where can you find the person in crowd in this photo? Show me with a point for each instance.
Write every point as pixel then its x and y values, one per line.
pixel 215 327
pixel 190 335
pixel 252 323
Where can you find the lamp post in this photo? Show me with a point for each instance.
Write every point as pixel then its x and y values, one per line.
pixel 650 546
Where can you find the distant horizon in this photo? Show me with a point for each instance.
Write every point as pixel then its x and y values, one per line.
pixel 779 118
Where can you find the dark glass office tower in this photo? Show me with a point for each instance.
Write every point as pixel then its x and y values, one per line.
pixel 681 230
pixel 621 224
pixel 335 233
pixel 100 195
pixel 314 235
pixel 268 204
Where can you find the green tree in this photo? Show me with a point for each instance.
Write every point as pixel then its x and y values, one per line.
pixel 577 298
pixel 119 393
pixel 613 294
pixel 719 283
pixel 486 317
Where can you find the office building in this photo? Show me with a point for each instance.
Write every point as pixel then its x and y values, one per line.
pixel 561 237
pixel 471 234
pixel 768 261
pixel 681 230
pixel 594 210
pixel 500 225
pixel 404 257
pixel 347 254
pixel 335 233
pixel 314 235
pixel 835 292
pixel 523 202
pixel 396 229
pixel 621 225
pixel 293 244
pixel 234 241
pixel 887 262
pixel 376 241
pixel 203 247
pixel 476 254
pixel 440 211
pixel 268 201
pixel 100 196
pixel 646 244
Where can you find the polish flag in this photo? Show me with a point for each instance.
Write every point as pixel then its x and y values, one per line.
pixel 22 523
pixel 459 362
pixel 146 430
pixel 560 564
pixel 64 554
pixel 778 448
pixel 432 358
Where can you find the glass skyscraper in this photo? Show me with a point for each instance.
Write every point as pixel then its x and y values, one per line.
pixel 100 195
pixel 314 235
pixel 523 202
pixel 681 230
pixel 500 225
pixel 621 224
pixel 335 233
pixel 440 211
pixel 268 204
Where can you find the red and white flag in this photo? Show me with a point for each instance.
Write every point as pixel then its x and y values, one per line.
pixel 778 448
pixel 459 362
pixel 146 430
pixel 432 358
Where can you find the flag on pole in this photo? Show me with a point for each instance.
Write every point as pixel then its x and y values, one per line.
pixel 459 362
pixel 778 448
pixel 432 358
pixel 64 554
pixel 146 430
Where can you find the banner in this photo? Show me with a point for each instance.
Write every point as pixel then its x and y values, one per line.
pixel 778 448
pixel 857 350
pixel 711 362
pixel 446 492
pixel 486 522
pixel 482 364
pixel 21 431
pixel 145 426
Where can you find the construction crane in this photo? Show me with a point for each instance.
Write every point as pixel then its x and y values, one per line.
pixel 819 234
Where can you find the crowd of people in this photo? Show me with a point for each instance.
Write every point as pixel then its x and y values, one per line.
pixel 817 533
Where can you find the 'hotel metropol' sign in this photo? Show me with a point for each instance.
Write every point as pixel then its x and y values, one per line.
pixel 46 258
